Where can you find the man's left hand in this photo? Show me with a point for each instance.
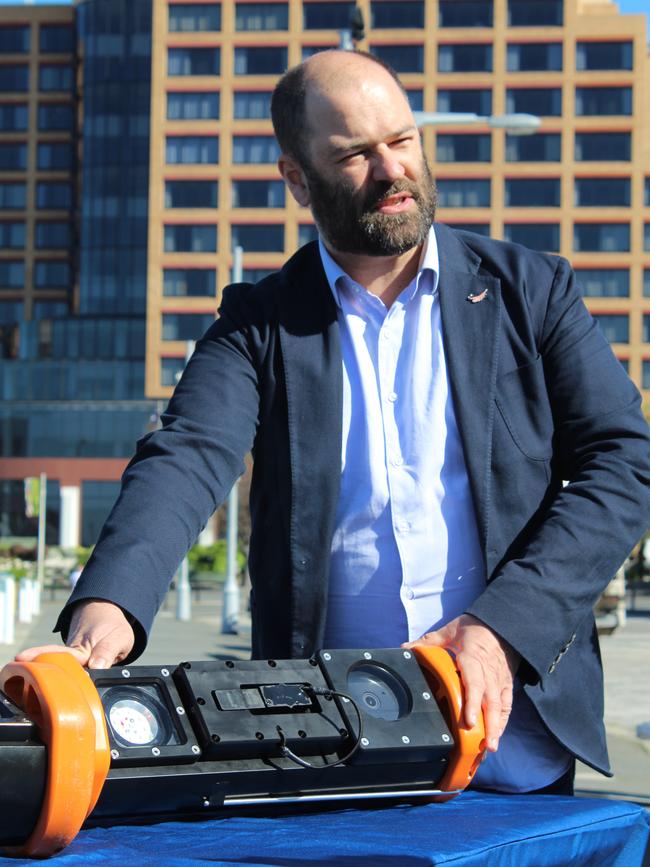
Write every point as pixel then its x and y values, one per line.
pixel 487 665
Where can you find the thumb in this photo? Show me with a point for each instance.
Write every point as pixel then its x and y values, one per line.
pixel 437 639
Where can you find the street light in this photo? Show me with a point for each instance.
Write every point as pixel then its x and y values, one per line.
pixel 516 124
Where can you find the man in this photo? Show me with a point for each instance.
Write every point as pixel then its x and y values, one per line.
pixel 415 399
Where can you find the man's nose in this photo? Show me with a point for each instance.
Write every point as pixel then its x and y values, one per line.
pixel 387 165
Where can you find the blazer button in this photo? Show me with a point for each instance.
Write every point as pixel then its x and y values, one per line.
pixel 552 667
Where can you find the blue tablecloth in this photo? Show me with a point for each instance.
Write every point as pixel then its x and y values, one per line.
pixel 473 829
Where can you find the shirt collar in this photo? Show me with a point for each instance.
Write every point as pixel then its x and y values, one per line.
pixel 429 268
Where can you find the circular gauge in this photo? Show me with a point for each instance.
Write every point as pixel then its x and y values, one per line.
pixel 136 719
pixel 378 691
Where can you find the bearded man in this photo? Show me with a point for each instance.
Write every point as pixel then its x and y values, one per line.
pixel 445 447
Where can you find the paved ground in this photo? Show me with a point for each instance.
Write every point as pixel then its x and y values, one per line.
pixel 626 657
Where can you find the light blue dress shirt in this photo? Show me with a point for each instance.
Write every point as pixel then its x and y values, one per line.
pixel 406 556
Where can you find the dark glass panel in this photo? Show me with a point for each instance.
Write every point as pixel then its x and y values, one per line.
pixel 14 38
pixel 615 326
pixel 56 38
pixel 14 79
pixel 537 236
pixel 193 106
pixel 534 56
pixel 535 13
pixel 396 14
pixel 193 61
pixel 465 58
pixel 463 147
pixel 465 13
pixel 190 239
pixel 326 16
pixel 56 116
pixel 307 232
pixel 185 326
pixel 475 101
pixel 55 77
pixel 171 370
pixel 402 58
pixel 591 101
pixel 252 104
pixel 260 60
pixel 542 101
pixel 603 146
pixel 463 193
pixel 189 282
pixel 13 157
pixel 194 17
pixel 13 195
pixel 532 192
pixel 53 195
pixel 192 150
pixel 12 274
pixel 604 55
pixel 477 228
pixel 258 194
pixel 54 155
pixel 13 117
pixel 261 16
pixel 601 192
pixel 191 194
pixel 601 237
pixel 254 149
pixel 258 238
pixel 604 282
pixel 542 147
pixel 52 234
pixel 12 234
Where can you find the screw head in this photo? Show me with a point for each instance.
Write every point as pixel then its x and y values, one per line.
pixel 426 696
pixel 180 711
pixel 364 742
pixel 327 656
pixel 115 754
pixel 407 654
pixel 155 751
pixel 196 750
pixel 164 672
pixel 446 738
pixel 405 739
pixel 126 672
pixel 367 655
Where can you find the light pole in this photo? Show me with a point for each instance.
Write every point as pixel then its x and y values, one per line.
pixel 516 124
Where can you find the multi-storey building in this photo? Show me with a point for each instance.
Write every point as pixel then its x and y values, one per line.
pixel 171 164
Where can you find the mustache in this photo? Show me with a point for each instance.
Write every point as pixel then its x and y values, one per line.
pixel 385 189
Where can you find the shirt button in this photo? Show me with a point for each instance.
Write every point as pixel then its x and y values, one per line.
pixel 403 526
pixel 409 593
pixel 397 461
pixel 392 397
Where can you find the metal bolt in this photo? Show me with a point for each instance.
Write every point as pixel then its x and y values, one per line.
pixel 407 654
pixel 206 802
pixel 327 656
pixel 406 740
pixel 196 750
pixel 426 696
pixel 164 672
pixel 180 711
pixel 365 742
pixel 126 672
pixel 367 655
pixel 446 738
pixel 115 754
pixel 155 751
pixel 345 699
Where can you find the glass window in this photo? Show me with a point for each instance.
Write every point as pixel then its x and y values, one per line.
pixel 52 274
pixel 171 370
pixel 56 38
pixel 13 196
pixel 463 147
pixel 604 55
pixel 258 194
pixel 52 234
pixel 601 237
pixel 193 61
pixel 97 499
pixel 646 328
pixel 601 192
pixel 54 155
pixel 254 275
pixel 646 193
pixel 604 282
pixel 14 79
pixel 258 237
pixel 395 15
pixel 252 104
pixel 191 194
pixel 603 100
pixel 309 50
pixel 646 283
pixel 543 147
pixel 475 101
pixel 537 236
pixel 53 195
pixel 465 58
pixel 326 16
pixel 189 281
pixel 534 56
pixel 185 326
pixel 307 232
pixel 260 60
pixel 465 13
pixel 193 106
pixel 57 116
pixel 603 146
pixel 402 58
pixel 254 149
pixel 646 237
pixel 463 193
pixel 535 13
pixel 261 16
pixel 477 228
pixel 544 101
pixel 14 39
pixel 55 76
pixel 187 238
pixel 192 150
pixel 615 326
pixel 13 156
pixel 645 373
pixel 532 192
pixel 13 117
pixel 194 17
pixel 50 309
pixel 415 97
pixel 12 234
pixel 12 274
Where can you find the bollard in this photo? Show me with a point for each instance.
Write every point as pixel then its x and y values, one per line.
pixel 230 606
pixel 183 592
pixel 7 609
pixel 24 601
pixel 36 597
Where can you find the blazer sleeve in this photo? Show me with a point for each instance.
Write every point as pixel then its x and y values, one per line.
pixel 180 473
pixel 538 599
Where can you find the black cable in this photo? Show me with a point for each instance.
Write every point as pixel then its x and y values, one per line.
pixel 288 753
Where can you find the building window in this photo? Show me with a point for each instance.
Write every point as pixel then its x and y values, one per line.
pixel 387 15
pixel 615 326
pixel 55 116
pixel 604 282
pixel 192 150
pixel 252 104
pixel 646 237
pixel 12 274
pixel 254 149
pixel 645 373
pixel 463 193
pixel 260 60
pixel 55 77
pixel 310 50
pixel 476 228
pixel 646 193
pixel 307 232
pixel 402 58
pixel 12 235
pixel 603 146
pixel 13 117
pixel 465 13
pixel 535 13
pixel 13 157
pixel 601 237
pixel 465 58
pixel 537 236
pixel 543 101
pixel 53 195
pixel 193 61
pixel 604 55
pixel 476 101
pixel 191 194
pixel 55 155
pixel 258 237
pixel 13 196
pixel 254 275
pixel 646 328
pixel 52 274
pixel 532 192
pixel 534 57
pixel 203 105
pixel 14 39
pixel 14 79
pixel 52 235
pixel 326 16
pixel 603 100
pixel 50 309
pixel 187 238
pixel 194 17
pixel 258 194
pixel 56 38
pixel 646 283
pixel 261 16
pixel 415 97
pixel 185 326
pixel 192 282
pixel 171 370
pixel 463 147
pixel 601 192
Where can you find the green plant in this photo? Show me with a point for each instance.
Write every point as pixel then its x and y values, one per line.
pixel 83 555
pixel 213 558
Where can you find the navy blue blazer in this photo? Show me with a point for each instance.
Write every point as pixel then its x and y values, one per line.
pixel 539 398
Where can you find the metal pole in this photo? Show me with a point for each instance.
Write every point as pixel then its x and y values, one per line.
pixel 183 592
pixel 40 554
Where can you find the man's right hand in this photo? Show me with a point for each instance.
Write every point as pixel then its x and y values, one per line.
pixel 99 636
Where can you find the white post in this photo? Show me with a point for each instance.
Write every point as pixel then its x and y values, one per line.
pixel 183 592
pixel 40 550
pixel 70 513
pixel 7 609
pixel 24 601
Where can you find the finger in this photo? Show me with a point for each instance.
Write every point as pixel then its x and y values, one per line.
pixel 429 638
pixel 493 718
pixel 506 706
pixel 473 679
pixel 30 654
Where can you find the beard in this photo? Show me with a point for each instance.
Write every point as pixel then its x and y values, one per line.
pixel 350 223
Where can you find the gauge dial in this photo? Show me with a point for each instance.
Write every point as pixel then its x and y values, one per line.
pixel 133 722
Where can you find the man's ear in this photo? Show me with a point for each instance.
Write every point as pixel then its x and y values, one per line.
pixel 295 179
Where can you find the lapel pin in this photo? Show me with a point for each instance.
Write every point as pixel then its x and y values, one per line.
pixel 474 299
